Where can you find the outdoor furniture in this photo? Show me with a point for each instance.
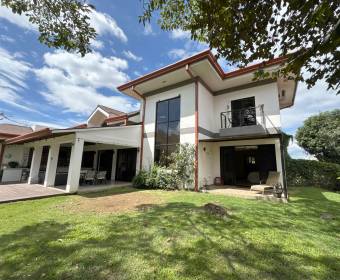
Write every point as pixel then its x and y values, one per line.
pixel 101 176
pixel 90 176
pixel 272 180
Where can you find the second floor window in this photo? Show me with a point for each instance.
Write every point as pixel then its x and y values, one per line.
pixel 167 128
pixel 243 112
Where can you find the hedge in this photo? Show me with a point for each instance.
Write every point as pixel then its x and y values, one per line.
pixel 302 172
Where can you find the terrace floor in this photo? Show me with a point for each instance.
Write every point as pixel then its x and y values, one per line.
pixel 243 192
pixel 17 192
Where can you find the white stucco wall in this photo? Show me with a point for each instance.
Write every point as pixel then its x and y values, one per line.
pixel 206 109
pixel 187 122
pixel 210 106
pixel 209 160
pixel 15 153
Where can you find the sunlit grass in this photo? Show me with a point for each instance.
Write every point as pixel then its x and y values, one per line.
pixel 173 240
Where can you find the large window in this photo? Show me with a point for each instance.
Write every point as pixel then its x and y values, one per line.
pixel 243 112
pixel 167 128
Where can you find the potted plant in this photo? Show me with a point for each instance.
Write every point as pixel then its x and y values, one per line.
pixel 13 164
pixel 278 190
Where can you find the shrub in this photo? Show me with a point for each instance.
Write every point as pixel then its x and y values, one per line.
pixel 311 173
pixel 139 181
pixel 178 174
pixel 157 177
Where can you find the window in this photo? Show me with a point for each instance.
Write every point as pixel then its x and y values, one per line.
pixel 243 112
pixel 167 128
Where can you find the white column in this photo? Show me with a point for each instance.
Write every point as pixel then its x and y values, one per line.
pixel 35 165
pixel 138 160
pixel 75 166
pixel 51 168
pixel 278 159
pixel 114 163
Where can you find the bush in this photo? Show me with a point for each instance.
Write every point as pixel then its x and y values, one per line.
pixel 178 174
pixel 302 172
pixel 157 177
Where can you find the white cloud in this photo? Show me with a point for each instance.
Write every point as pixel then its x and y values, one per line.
pixel 297 152
pixel 130 55
pixel 308 102
pixel 105 24
pixel 97 44
pixel 13 73
pixel 148 29
pixel 179 34
pixel 6 38
pixel 19 20
pixel 73 81
pixel 137 73
pixel 190 48
pixel 101 22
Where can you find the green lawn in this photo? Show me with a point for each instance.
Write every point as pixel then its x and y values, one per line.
pixel 173 240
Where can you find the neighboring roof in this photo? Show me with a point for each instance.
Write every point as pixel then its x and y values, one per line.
pixel 196 58
pixel 110 111
pixel 36 135
pixel 13 129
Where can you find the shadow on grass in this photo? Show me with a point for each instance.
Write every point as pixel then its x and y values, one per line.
pixel 110 192
pixel 170 241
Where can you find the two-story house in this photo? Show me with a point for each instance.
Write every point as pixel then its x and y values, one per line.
pixel 232 120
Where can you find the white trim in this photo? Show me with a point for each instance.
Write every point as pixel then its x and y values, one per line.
pixel 56 131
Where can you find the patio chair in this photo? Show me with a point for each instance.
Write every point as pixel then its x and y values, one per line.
pixel 273 179
pixel 90 176
pixel 101 176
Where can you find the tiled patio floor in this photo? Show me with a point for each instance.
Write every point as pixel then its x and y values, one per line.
pixel 242 192
pixel 16 192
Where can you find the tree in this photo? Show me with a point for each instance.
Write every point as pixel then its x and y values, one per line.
pixel 61 23
pixel 307 32
pixel 320 136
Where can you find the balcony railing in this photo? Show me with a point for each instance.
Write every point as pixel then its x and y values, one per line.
pixel 243 117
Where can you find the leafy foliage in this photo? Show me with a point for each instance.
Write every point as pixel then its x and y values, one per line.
pixel 178 174
pixel 61 23
pixel 308 32
pixel 320 136
pixel 302 172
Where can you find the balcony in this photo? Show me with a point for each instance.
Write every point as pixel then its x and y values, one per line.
pixel 243 122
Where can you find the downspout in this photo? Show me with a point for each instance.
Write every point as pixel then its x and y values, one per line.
pixel 142 129
pixel 187 69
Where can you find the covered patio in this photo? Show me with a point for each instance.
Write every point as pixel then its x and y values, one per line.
pixel 95 156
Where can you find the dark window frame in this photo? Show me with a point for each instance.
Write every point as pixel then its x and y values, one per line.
pixel 168 122
pixel 240 117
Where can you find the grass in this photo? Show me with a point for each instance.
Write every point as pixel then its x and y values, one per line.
pixel 173 240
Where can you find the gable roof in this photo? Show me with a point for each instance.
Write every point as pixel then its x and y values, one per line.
pixel 205 55
pixel 110 111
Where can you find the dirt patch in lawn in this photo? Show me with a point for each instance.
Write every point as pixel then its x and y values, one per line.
pixel 113 203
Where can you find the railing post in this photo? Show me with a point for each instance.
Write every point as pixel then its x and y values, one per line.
pixel 262 116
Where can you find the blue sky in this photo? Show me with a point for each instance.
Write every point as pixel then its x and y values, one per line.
pixel 45 86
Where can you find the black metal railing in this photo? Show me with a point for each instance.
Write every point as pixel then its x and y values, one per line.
pixel 243 117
